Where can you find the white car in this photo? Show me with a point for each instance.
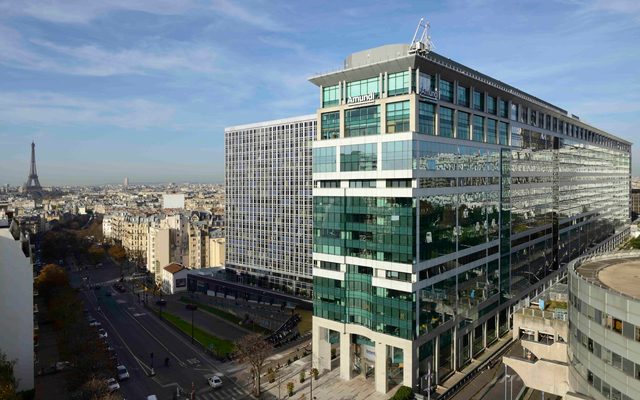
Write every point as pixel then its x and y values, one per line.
pixel 102 333
pixel 112 384
pixel 214 381
pixel 122 372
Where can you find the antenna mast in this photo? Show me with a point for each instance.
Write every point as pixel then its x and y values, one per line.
pixel 421 44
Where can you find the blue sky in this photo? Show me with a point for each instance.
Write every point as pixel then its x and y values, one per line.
pixel 144 89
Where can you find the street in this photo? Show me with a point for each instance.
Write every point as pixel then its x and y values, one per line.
pixel 142 343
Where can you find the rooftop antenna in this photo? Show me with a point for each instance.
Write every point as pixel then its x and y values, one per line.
pixel 421 44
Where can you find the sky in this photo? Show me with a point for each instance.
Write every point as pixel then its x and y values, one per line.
pixel 144 89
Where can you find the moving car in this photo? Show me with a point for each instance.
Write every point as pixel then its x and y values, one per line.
pixel 122 372
pixel 214 381
pixel 112 384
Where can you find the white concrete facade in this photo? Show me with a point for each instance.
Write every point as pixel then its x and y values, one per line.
pixel 16 308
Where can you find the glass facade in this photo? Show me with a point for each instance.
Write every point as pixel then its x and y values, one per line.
pixel 398 117
pixel 446 90
pixel 331 96
pixel 358 157
pixel 426 118
pixel 363 121
pixel 464 227
pixel 445 122
pixel 399 83
pixel 324 159
pixel 330 125
pixel 364 86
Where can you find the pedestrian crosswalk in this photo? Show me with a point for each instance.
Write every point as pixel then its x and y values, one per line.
pixel 223 393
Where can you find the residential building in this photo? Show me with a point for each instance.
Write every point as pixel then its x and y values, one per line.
pixel 595 352
pixel 174 278
pixel 16 303
pixel 268 202
pixel 441 198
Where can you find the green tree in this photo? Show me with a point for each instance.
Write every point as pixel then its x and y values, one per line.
pixel 8 381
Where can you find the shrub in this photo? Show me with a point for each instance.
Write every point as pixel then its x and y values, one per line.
pixel 403 393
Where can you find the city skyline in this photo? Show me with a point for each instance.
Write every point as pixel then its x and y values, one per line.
pixel 145 89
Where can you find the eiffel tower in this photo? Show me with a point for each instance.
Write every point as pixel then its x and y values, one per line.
pixel 32 187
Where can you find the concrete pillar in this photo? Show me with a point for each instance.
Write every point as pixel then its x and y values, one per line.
pixel 345 356
pixel 321 348
pixel 381 367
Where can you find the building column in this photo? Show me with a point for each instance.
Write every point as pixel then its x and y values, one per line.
pixel 345 356
pixel 381 367
pixel 320 347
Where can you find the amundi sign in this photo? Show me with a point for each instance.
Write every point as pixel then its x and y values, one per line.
pixel 363 98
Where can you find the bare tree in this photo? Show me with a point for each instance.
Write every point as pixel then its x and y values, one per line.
pixel 254 350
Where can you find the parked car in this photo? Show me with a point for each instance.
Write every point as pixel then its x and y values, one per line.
pixel 102 333
pixel 214 381
pixel 112 384
pixel 122 372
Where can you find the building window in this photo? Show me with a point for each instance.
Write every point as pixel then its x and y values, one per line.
pixel 492 131
pixel 503 109
pixel 397 155
pixel 446 90
pixel 362 121
pixel 359 157
pixel 491 105
pixel 324 159
pixel 463 96
pixel 398 83
pixel 398 117
pixel 445 122
pixel 426 118
pixel 503 132
pixel 478 100
pixel 330 125
pixel 478 128
pixel 330 96
pixel 364 86
pixel 462 131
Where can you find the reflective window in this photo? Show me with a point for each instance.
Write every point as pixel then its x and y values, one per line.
pixel 503 109
pixel 492 131
pixel 478 100
pixel 330 125
pixel 462 131
pixel 398 117
pixel 362 87
pixel 358 157
pixel 362 121
pixel 503 129
pixel 478 128
pixel 426 118
pixel 445 122
pixel 463 96
pixel 324 159
pixel 397 155
pixel 330 96
pixel 399 83
pixel 492 105
pixel 446 90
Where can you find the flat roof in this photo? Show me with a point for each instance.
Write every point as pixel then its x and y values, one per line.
pixel 621 274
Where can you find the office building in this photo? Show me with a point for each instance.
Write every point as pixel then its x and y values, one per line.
pixel 441 198
pixel 16 302
pixel 589 347
pixel 268 202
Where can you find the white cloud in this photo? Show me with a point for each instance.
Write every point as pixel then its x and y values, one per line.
pixel 84 11
pixel 93 60
pixel 257 18
pixel 54 109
